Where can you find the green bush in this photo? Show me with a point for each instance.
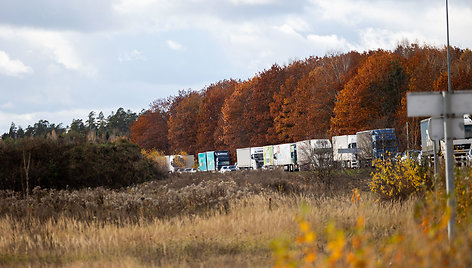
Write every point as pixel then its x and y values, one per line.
pixel 58 164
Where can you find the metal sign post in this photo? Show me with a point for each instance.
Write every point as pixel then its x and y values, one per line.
pixel 445 105
pixel 451 203
pixel 435 157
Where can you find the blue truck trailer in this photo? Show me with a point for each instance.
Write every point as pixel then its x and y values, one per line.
pixel 202 162
pixel 376 144
pixel 213 160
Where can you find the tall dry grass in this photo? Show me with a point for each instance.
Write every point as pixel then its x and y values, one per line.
pixel 218 237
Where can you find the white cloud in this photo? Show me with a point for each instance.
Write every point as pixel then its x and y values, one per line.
pixel 294 26
pixel 174 45
pixel 53 44
pixel 287 29
pixel 329 42
pixel 364 11
pixel 252 2
pixel 134 55
pixel 7 105
pixel 129 6
pixel 373 38
pixel 381 24
pixel 12 67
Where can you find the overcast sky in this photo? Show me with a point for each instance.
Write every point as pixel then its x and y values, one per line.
pixel 61 59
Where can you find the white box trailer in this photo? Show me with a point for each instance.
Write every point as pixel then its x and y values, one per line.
pixel 345 151
pixel 313 154
pixel 285 155
pixel 250 158
pixel 243 158
pixel 304 154
pixel 268 156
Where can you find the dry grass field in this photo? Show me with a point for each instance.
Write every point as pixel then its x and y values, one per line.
pixel 198 220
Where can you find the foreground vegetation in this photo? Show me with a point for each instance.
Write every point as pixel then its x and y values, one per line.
pixel 237 219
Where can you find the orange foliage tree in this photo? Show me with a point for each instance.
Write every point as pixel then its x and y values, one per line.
pixel 149 131
pixel 237 127
pixel 183 124
pixel 246 114
pixel 282 104
pixel 258 112
pixel 461 73
pixel 210 116
pixel 372 97
pixel 423 67
pixel 315 96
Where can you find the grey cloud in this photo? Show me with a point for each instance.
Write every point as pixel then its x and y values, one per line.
pixel 83 15
pixel 230 11
pixel 93 15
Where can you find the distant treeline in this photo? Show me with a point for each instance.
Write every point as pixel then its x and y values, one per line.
pixel 316 97
pixel 100 128
pixel 57 163
pixel 93 153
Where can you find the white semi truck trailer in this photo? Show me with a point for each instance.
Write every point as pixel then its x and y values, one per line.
pixel 285 155
pixel 250 158
pixel 313 154
pixel 345 151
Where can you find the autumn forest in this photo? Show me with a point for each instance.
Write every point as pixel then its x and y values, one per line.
pixel 317 97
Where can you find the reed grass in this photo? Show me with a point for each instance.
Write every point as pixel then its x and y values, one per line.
pixel 218 237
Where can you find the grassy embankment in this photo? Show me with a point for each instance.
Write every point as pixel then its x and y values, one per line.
pixel 188 220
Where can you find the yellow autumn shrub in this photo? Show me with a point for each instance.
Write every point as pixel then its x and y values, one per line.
pixel 395 179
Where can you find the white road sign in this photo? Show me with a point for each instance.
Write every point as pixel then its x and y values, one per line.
pixel 431 103
pixel 436 128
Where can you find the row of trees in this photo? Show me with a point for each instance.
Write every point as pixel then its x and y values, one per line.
pixel 95 127
pixel 312 98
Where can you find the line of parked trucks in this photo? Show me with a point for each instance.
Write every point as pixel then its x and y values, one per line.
pixel 346 151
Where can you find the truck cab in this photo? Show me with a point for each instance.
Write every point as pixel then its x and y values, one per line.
pixel 345 151
pixel 461 146
pixel 221 159
pixel 257 157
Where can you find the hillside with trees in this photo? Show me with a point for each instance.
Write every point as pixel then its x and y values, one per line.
pixel 316 97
